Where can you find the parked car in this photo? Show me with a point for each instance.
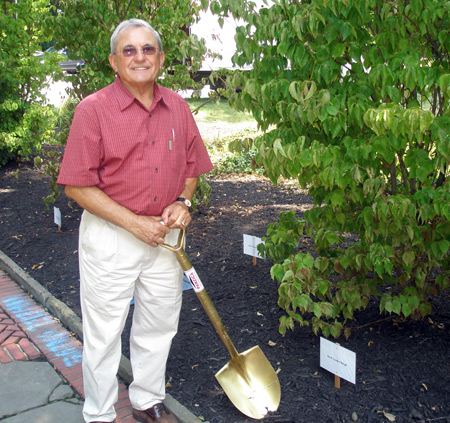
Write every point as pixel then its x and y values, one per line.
pixel 68 66
pixel 71 66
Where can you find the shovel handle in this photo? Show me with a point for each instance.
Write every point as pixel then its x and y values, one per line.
pixel 201 293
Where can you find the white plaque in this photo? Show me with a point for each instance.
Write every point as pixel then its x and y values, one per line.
pixel 338 360
pixel 57 216
pixel 251 246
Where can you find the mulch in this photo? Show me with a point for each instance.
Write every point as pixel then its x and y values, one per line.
pixel 402 367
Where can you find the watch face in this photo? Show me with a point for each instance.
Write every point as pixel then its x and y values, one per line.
pixel 185 201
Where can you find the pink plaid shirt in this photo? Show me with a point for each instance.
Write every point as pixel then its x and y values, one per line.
pixel 139 157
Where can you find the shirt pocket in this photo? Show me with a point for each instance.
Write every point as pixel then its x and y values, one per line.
pixel 176 150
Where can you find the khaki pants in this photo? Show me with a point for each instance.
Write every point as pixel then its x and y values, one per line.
pixel 114 266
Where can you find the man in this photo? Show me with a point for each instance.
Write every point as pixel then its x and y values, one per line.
pixel 131 162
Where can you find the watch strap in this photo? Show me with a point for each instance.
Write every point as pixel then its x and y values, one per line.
pixel 184 200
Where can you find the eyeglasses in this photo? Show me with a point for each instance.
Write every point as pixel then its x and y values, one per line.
pixel 146 51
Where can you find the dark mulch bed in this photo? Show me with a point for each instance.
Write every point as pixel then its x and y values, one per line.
pixel 403 368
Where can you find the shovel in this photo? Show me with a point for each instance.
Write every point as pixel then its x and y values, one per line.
pixel 248 379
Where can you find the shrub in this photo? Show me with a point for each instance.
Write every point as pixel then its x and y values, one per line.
pixel 25 122
pixel 358 95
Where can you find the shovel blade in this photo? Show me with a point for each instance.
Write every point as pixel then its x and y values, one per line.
pixel 251 383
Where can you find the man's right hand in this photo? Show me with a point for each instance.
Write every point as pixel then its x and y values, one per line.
pixel 148 229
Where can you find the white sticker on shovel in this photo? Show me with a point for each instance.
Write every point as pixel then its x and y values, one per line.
pixel 194 280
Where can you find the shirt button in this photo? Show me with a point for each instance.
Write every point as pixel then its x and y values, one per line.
pixel 156 170
pixel 153 142
pixel 155 199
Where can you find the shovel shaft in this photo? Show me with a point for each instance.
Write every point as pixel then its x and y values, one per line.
pixel 202 295
pixel 217 322
pixel 248 379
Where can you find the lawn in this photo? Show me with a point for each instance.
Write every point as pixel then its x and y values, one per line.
pixel 217 110
pixel 227 134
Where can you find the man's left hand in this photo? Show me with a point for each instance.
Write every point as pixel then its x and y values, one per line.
pixel 176 216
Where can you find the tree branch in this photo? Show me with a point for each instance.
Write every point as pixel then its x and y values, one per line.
pixel 393 177
pixel 403 170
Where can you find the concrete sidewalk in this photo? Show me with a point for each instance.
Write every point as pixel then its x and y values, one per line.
pixel 40 360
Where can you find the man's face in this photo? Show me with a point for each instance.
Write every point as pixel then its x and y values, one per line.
pixel 139 70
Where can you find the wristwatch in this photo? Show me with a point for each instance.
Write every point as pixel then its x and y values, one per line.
pixel 185 201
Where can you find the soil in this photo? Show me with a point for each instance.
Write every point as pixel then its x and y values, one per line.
pixel 402 367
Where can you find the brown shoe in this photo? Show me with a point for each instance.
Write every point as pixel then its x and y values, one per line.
pixel 156 414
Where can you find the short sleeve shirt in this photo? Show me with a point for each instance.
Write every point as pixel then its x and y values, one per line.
pixel 138 157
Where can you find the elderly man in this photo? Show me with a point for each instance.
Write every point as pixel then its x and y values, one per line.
pixel 131 162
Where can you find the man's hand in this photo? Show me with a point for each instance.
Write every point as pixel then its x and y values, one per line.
pixel 176 215
pixel 149 229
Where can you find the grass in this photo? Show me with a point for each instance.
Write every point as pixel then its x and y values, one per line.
pixel 238 129
pixel 217 110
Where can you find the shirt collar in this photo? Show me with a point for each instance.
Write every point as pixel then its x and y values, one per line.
pixel 125 98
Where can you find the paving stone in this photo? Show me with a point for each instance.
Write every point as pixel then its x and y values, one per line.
pixel 34 381
pixel 50 413
pixel 62 392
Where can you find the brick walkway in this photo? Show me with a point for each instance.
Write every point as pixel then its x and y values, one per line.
pixel 29 332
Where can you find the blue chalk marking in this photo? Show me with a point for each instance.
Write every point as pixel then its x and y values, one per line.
pixel 54 340
pixel 71 356
pixel 20 307
pixel 57 342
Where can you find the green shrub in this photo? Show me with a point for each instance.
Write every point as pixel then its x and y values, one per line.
pixel 25 122
pixel 355 100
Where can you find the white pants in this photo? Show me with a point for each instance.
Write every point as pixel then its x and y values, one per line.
pixel 114 266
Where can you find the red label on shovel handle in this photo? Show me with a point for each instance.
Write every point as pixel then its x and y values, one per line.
pixel 194 280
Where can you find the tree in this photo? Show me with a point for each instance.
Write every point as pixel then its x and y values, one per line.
pixel 25 121
pixel 84 27
pixel 354 98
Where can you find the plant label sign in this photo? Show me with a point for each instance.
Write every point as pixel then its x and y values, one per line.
pixel 251 246
pixel 57 216
pixel 338 360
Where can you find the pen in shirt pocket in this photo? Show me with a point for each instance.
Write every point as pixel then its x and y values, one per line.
pixel 172 140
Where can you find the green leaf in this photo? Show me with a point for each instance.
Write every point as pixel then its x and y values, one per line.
pixel 295 90
pixel 337 197
pixel 316 309
pixel 305 158
pixel 389 306
pixel 278 148
pixel 408 257
pixel 425 309
pixel 277 272
pixel 396 305
pixel 335 330
pixel 338 50
pixel 406 309
pixel 444 245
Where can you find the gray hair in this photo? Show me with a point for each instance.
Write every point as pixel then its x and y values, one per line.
pixel 131 23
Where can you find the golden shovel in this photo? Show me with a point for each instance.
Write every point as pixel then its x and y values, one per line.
pixel 248 379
